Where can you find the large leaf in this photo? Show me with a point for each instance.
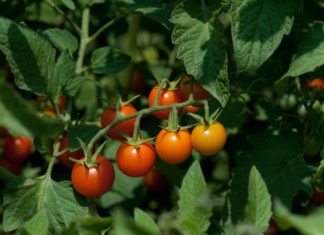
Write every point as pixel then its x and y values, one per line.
pixel 89 226
pixel 30 54
pixel 258 27
pixel 156 9
pixel 20 118
pixel 62 39
pixel 145 221
pixel 200 40
pixel 259 201
pixel 38 224
pixel 311 224
pixel 24 198
pixel 280 162
pixel 310 52
pixel 194 204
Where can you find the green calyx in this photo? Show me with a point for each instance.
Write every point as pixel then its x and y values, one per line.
pixel 208 118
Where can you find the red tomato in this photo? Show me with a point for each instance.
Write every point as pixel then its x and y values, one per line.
pixel 173 147
pixel 127 126
pixel 64 158
pixel 133 161
pixel 199 93
pixel 166 97
pixel 317 83
pixel 13 167
pixel 155 181
pixel 3 131
pixel 93 181
pixel 137 84
pixel 208 140
pixel 17 149
pixel 318 196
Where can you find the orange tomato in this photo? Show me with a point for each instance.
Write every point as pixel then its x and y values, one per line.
pixel 317 83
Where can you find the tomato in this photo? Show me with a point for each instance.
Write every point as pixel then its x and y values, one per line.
pixel 273 227
pixel 155 181
pixel 137 84
pixel 17 149
pixel 133 161
pixel 61 102
pixel 13 167
pixel 208 140
pixel 127 126
pixel 3 131
pixel 318 196
pixel 93 181
pixel 199 93
pixel 317 83
pixel 50 113
pixel 173 147
pixel 64 158
pixel 166 97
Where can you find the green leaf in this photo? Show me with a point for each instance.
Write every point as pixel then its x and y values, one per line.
pixel 62 39
pixel 108 60
pixel 85 3
pixel 259 201
pixel 30 54
pixel 69 4
pixel 23 198
pixel 200 39
pixel 73 85
pixel 281 164
pixel 145 221
pixel 21 119
pixel 155 9
pixel 38 224
pixel 310 52
pixel 64 71
pixel 83 132
pixel 258 27
pixel 195 208
pixel 311 224
pixel 89 226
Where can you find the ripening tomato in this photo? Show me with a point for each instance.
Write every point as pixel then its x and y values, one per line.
pixel 93 181
pixel 17 149
pixel 173 147
pixel 317 83
pixel 13 167
pixel 127 126
pixel 133 161
pixel 3 131
pixel 64 158
pixel 155 181
pixel 208 140
pixel 166 97
pixel 199 93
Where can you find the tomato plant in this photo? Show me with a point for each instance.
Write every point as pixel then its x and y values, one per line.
pixel 93 181
pixel 166 97
pixel 135 161
pixel 17 149
pixel 126 127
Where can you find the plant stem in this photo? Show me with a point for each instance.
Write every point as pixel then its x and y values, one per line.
pixel 84 40
pixel 62 13
pixel 103 28
pixel 50 167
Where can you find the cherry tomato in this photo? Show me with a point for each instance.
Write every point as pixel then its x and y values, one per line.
pixel 166 97
pixel 137 84
pixel 17 149
pixel 318 195
pixel 155 181
pixel 13 167
pixel 64 158
pixel 199 93
pixel 273 227
pixel 93 181
pixel 173 147
pixel 208 140
pixel 133 161
pixel 3 131
pixel 127 126
pixel 317 83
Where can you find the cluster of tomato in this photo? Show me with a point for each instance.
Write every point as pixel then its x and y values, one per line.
pixel 135 157
pixel 16 150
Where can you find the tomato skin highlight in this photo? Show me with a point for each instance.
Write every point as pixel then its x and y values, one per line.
pixel 93 181
pixel 317 83
pixel 155 181
pixel 64 158
pixel 127 126
pixel 208 140
pixel 135 162
pixel 13 167
pixel 173 147
pixel 166 97
pixel 17 149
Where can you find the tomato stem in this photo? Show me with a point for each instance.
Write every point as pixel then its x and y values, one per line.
pixel 50 167
pixel 137 127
